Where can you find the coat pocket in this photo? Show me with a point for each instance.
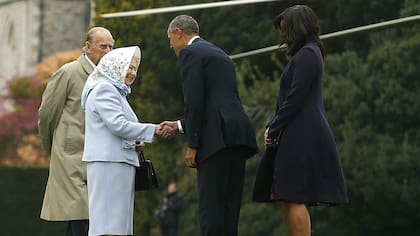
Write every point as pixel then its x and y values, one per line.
pixel 74 140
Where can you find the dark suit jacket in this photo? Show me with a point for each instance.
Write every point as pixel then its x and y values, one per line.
pixel 213 114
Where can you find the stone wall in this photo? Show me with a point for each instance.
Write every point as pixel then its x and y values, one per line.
pixel 19 38
pixel 32 30
pixel 64 25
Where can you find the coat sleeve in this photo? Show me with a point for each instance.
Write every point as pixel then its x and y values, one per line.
pixel 193 88
pixel 110 109
pixel 306 67
pixel 52 105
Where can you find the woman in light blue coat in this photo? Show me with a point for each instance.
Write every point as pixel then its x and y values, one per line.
pixel 112 130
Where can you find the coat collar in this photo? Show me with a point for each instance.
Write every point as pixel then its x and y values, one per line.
pixel 87 67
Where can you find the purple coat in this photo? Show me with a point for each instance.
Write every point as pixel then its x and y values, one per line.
pixel 305 167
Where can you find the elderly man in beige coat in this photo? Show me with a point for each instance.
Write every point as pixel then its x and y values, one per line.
pixel 61 128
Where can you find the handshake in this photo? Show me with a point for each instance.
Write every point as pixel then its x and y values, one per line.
pixel 166 129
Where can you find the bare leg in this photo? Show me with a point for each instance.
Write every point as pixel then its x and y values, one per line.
pixel 296 218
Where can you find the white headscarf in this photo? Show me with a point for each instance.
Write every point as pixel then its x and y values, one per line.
pixel 112 68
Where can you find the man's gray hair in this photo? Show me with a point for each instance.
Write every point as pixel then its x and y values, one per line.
pixel 91 34
pixel 186 23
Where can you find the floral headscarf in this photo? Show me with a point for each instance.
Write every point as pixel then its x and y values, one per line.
pixel 112 68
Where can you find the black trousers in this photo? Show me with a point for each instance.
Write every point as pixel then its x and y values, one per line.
pixel 220 183
pixel 169 231
pixel 78 228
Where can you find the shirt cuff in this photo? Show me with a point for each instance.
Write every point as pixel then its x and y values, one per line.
pixel 180 126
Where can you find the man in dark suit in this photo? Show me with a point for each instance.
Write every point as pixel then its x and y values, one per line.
pixel 219 133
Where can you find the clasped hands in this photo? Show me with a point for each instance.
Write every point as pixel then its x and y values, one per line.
pixel 166 129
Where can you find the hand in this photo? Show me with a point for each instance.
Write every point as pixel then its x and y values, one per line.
pixel 267 140
pixel 190 155
pixel 139 146
pixel 168 129
pixel 158 130
pixel 161 132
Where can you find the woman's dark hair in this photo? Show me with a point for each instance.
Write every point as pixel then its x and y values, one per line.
pixel 300 26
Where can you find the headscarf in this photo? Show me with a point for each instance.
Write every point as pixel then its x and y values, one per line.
pixel 112 68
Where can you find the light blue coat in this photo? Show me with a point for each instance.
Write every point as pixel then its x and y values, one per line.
pixel 112 127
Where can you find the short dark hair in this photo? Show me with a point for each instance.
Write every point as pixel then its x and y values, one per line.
pixel 186 23
pixel 301 25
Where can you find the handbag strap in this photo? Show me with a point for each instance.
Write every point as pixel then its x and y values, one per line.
pixel 141 156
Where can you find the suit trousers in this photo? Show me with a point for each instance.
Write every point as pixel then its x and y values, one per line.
pixel 78 228
pixel 220 184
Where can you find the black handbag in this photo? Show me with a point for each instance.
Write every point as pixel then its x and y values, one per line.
pixel 146 178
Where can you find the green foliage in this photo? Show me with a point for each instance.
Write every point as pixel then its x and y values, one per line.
pixel 382 188
pixel 25 88
pixel 21 201
pixel 261 220
pixel 411 7
pixel 345 98
pixel 25 95
pixel 393 85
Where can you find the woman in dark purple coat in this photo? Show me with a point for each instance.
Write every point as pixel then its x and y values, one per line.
pixel 300 166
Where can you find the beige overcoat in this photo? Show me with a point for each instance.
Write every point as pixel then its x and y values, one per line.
pixel 61 125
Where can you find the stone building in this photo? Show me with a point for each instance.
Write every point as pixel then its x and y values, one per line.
pixel 31 30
